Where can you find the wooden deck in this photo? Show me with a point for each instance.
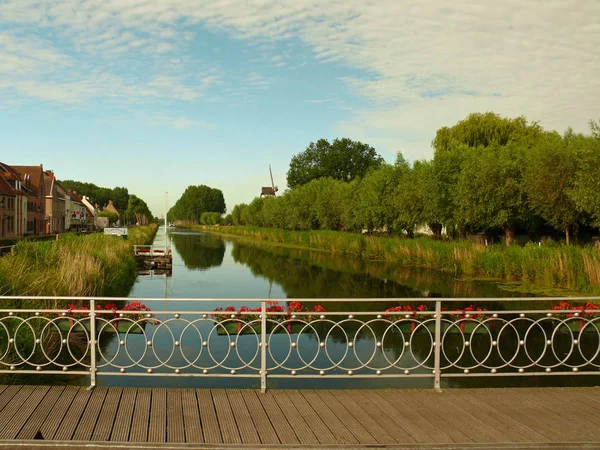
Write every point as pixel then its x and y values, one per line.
pixel 300 418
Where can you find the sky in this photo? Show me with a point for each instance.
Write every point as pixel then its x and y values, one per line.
pixel 157 95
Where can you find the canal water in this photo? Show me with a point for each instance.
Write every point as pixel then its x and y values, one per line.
pixel 212 267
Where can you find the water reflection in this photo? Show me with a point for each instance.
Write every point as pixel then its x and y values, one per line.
pixel 311 274
pixel 198 251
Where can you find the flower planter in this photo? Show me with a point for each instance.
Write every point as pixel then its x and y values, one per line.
pixel 462 327
pixel 122 326
pixel 578 325
pixel 235 328
pixel 67 324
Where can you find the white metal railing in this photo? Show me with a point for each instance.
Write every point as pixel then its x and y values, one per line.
pixel 295 338
pixel 151 250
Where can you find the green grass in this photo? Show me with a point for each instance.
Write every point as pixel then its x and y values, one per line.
pixel 91 265
pixel 558 266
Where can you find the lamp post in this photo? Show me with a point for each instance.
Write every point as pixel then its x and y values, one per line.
pixel 166 199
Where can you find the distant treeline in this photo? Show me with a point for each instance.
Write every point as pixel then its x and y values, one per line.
pixel 195 203
pixel 488 174
pixel 131 207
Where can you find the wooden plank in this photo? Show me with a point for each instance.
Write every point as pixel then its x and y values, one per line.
pixel 337 428
pixel 572 427
pixel 141 416
pixel 311 417
pixel 357 402
pixel 71 420
pixel 419 428
pixel 158 416
pixel 342 409
pixel 86 425
pixel 8 394
pixel 435 416
pixel 208 417
pixel 242 417
pixel 381 417
pixel 108 414
pixel 35 421
pixel 175 430
pixel 294 417
pixel 13 425
pixel 229 431
pixel 458 417
pixel 53 421
pixel 15 404
pixel 571 413
pixel 259 417
pixel 524 412
pixel 285 431
pixel 125 412
pixel 514 430
pixel 541 415
pixel 191 416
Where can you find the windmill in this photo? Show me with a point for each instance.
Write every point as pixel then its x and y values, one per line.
pixel 269 190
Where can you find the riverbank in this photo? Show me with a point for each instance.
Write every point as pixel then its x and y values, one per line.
pixel 90 265
pixel 572 268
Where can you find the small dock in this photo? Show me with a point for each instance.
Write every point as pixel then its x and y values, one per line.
pixel 150 257
pixel 523 417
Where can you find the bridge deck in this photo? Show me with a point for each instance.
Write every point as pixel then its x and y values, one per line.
pixel 300 417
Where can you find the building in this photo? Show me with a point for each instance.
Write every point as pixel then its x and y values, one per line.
pixel 79 219
pixel 18 217
pixel 32 178
pixel 91 212
pixel 7 210
pixel 54 205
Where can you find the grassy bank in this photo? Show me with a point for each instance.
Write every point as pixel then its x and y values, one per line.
pixel 573 268
pixel 92 265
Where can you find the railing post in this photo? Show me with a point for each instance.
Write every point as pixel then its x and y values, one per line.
pixel 263 346
pixel 437 346
pixel 92 343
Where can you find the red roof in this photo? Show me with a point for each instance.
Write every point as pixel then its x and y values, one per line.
pixel 35 172
pixel 5 188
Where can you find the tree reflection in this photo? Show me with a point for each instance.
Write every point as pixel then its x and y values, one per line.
pixel 199 251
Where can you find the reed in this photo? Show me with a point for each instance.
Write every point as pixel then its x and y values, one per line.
pixel 560 266
pixel 89 265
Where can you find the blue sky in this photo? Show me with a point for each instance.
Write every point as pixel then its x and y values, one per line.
pixel 156 95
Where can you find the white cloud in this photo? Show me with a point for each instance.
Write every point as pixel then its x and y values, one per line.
pixel 537 58
pixel 176 123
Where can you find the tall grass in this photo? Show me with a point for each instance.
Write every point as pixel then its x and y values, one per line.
pixel 92 265
pixel 570 267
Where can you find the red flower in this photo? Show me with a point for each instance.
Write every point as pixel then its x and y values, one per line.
pixel 294 307
pixel 319 308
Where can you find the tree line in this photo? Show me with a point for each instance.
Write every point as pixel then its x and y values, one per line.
pixel 132 209
pixel 489 174
pixel 195 203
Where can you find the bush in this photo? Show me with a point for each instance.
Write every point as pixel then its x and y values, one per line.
pixel 210 218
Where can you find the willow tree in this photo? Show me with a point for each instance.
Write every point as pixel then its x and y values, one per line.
pixel 549 182
pixel 491 191
pixel 586 191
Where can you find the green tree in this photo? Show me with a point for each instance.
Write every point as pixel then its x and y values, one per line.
pixel 343 159
pixel 586 191
pixel 549 181
pixel 484 130
pixel 195 201
pixel 491 192
pixel 417 197
pixel 136 207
